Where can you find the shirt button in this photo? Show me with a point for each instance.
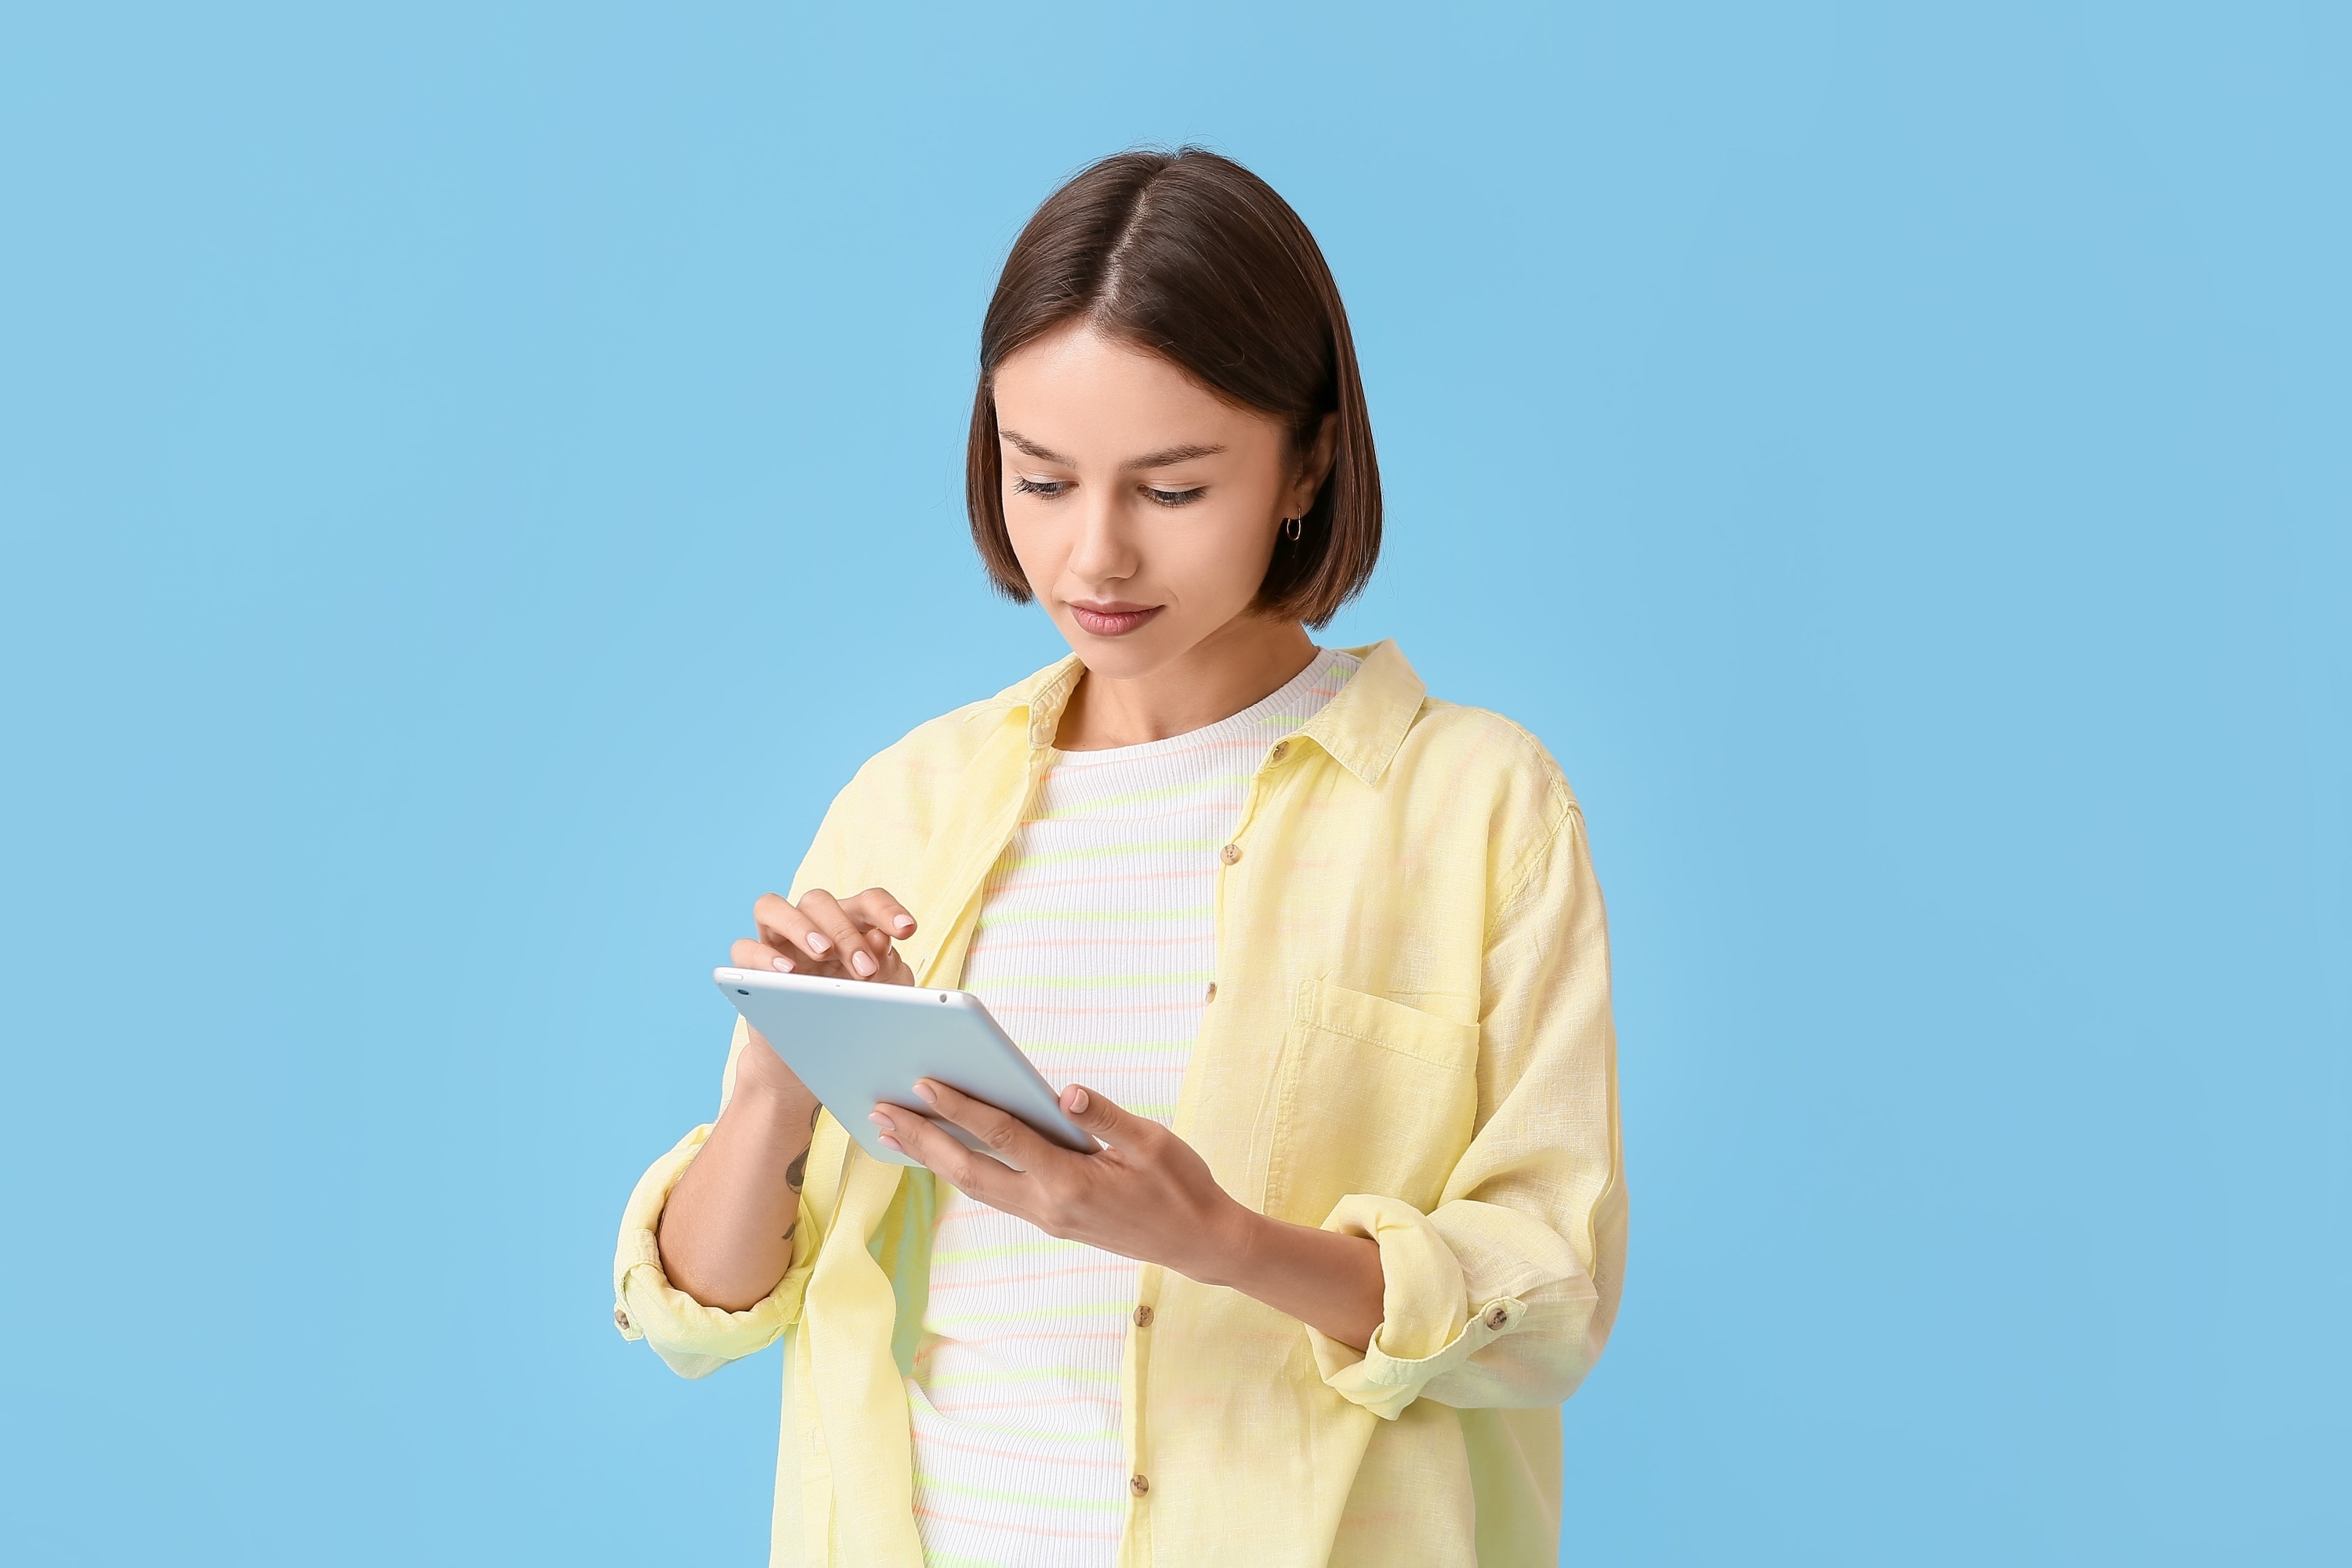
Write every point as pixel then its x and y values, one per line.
pixel 1213 992
pixel 1139 1485
pixel 1497 1315
pixel 1230 853
pixel 1143 1317
pixel 621 1318
pixel 1281 750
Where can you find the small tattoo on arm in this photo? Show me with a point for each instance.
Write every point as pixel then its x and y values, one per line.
pixel 790 1229
pixel 796 1174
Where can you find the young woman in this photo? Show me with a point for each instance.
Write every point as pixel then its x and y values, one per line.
pixel 1320 959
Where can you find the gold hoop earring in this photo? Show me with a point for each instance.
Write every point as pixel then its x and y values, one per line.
pixel 1292 527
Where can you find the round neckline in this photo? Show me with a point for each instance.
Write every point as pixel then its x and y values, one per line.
pixel 1315 667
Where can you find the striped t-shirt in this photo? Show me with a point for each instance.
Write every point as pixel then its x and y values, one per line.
pixel 1095 949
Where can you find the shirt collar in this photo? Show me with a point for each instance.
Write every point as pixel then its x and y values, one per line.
pixel 1361 728
pixel 1364 725
pixel 1045 695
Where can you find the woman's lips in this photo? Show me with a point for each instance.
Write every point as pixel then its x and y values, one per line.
pixel 1114 619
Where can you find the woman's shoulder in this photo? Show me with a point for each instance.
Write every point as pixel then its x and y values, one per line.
pixel 936 754
pixel 1391 733
pixel 1475 752
pixel 877 828
pixel 954 737
pixel 1468 776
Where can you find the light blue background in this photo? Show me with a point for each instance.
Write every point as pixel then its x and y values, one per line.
pixel 475 480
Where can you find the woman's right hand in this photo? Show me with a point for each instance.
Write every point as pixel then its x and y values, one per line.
pixel 840 939
pixel 836 938
pixel 726 1234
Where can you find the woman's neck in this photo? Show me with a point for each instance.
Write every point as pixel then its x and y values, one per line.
pixel 1243 662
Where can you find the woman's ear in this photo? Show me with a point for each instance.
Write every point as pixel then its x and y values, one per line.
pixel 1314 468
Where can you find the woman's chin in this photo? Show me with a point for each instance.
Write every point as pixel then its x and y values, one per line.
pixel 1132 654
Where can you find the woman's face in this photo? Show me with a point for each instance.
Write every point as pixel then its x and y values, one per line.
pixel 1143 509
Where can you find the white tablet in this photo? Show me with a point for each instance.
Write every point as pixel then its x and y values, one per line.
pixel 857 1045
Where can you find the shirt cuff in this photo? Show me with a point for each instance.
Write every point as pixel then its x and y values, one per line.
pixel 694 1340
pixel 1428 1325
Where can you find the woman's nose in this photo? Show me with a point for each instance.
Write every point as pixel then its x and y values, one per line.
pixel 1103 552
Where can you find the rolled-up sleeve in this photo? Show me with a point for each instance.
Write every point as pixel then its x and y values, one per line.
pixel 694 1340
pixel 1504 1294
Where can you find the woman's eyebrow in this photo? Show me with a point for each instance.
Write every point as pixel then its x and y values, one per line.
pixel 1042 454
pixel 1166 456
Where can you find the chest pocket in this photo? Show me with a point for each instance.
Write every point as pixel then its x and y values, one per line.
pixel 1373 1096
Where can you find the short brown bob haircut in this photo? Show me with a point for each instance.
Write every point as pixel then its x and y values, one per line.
pixel 1191 257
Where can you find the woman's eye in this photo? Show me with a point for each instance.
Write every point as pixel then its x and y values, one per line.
pixel 1176 498
pixel 1049 489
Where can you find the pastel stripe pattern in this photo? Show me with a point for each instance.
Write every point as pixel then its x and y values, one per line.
pixel 1094 948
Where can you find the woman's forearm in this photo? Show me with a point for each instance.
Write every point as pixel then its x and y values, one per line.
pixel 1327 1280
pixel 727 1231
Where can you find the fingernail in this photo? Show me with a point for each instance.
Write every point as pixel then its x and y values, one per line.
pixel 925 1090
pixel 904 923
pixel 785 965
pixel 890 1144
pixel 862 961
pixel 1078 1100
pixel 882 1121
pixel 815 942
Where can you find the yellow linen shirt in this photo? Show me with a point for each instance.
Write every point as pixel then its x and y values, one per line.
pixel 1410 1039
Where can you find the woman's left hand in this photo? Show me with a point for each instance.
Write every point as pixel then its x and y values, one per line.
pixel 1147 1195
